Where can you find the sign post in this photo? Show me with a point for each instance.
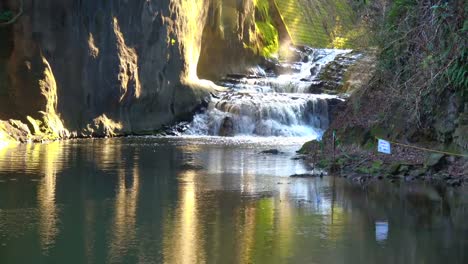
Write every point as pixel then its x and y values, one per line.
pixel 384 147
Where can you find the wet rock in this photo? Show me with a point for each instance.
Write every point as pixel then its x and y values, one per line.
pixel 271 151
pixel 314 70
pixel 455 182
pixel 410 178
pixel 176 130
pixel 236 76
pixel 316 87
pixel 308 175
pixel 299 157
pixel 435 161
pixel 394 177
pixel 394 168
pixel 297 54
pixel 227 127
pixel 232 81
pixel 280 69
pixel 333 75
pixel 417 172
pixel 403 169
pixel 318 57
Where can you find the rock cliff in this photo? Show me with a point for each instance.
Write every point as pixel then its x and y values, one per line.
pixel 103 68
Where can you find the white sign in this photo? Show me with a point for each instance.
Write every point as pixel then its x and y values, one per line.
pixel 384 147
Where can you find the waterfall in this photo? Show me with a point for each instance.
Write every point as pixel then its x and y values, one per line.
pixel 263 115
pixel 264 104
pixel 191 17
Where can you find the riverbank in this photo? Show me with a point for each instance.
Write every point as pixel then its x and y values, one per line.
pixel 415 95
pixel 363 164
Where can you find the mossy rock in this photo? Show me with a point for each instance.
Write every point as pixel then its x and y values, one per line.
pixel 418 172
pixel 355 135
pixel 403 169
pixel 435 160
pixel 324 164
pixel 394 168
pixel 310 147
pixel 363 170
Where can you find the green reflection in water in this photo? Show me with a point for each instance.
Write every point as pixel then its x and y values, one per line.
pixel 135 201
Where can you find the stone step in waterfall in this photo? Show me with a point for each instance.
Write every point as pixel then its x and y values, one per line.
pixel 264 104
pixel 274 114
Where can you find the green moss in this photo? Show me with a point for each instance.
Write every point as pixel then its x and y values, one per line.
pixel 363 170
pixel 400 8
pixel 324 164
pixel 268 34
pixel 322 23
pixel 310 147
pixel 269 38
pixel 377 165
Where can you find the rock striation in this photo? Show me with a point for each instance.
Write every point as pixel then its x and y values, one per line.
pixel 105 68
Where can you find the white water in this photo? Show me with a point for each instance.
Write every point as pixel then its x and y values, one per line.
pixel 271 105
pixel 296 82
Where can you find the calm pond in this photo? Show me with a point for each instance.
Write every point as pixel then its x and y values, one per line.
pixel 212 200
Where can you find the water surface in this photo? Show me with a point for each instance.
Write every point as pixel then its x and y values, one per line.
pixel 211 200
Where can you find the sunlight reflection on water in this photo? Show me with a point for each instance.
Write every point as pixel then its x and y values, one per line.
pixel 190 200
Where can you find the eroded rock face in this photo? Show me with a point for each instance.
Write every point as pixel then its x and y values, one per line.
pixel 131 64
pixel 349 72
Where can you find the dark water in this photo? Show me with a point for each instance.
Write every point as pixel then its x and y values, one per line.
pixel 149 200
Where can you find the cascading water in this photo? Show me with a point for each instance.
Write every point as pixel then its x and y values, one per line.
pixel 266 104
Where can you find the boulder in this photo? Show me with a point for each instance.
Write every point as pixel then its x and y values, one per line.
pixel 271 151
pixel 227 127
pixel 308 175
pixel 435 161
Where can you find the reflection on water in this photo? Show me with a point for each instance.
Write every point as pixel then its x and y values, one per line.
pixel 47 211
pixel 124 228
pixel 184 241
pixel 381 231
pixel 149 200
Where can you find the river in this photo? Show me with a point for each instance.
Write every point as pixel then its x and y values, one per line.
pixel 211 200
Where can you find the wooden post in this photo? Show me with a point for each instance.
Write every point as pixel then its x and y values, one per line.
pixel 334 147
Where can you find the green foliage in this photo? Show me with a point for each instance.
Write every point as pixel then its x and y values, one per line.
pixel 324 164
pixel 270 38
pixel 375 168
pixel 399 9
pixel 424 54
pixel 324 23
pixel 457 73
pixel 377 165
pixel 268 33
